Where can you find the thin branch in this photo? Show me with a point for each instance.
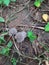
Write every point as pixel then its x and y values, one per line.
pixel 16 46
pixel 42 28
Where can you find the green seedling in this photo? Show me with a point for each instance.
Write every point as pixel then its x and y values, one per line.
pixel 31 36
pixel 9 45
pixel 5 50
pixel 47 27
pixel 14 61
pixel 6 2
pixel 2 40
pixel 2 20
pixel 37 3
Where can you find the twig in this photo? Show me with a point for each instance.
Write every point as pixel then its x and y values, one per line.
pixel 42 28
pixel 16 46
pixel 44 10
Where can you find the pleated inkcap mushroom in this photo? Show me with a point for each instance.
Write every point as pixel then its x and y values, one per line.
pixel 12 31
pixel 20 36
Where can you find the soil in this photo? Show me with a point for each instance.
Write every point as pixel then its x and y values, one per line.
pixel 23 15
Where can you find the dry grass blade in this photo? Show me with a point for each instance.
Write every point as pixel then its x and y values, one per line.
pixel 42 28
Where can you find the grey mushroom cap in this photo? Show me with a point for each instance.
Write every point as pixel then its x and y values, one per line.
pixel 20 36
pixel 12 31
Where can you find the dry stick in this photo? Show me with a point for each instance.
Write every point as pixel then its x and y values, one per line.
pixel 44 10
pixel 8 40
pixel 42 28
pixel 16 46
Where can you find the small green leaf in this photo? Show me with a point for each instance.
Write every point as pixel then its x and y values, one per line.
pixel 6 2
pixel 9 45
pixel 37 3
pixel 31 36
pixel 14 61
pixel 2 19
pixel 2 40
pixel 47 27
pixel 4 51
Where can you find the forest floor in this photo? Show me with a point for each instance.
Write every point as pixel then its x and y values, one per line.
pixel 23 15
